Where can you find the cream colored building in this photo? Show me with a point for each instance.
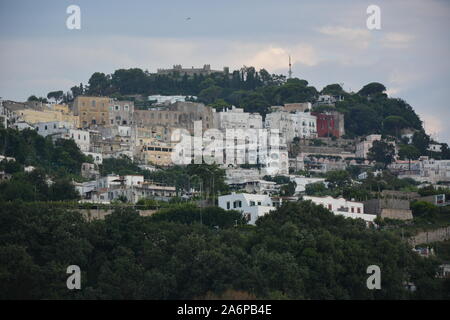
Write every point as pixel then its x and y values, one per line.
pixel 32 116
pixel 156 152
pixel 93 111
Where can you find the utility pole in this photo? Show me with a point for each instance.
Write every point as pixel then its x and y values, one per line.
pixel 290 68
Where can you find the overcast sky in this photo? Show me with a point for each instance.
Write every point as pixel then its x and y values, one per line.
pixel 328 41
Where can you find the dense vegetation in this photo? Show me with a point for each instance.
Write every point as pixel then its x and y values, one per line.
pixel 34 186
pixel 208 178
pixel 55 165
pixel 301 251
pixel 367 111
pixel 61 159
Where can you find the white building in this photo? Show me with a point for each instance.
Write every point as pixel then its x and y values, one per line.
pixel 435 147
pixel 108 181
pixel 98 157
pixel 53 127
pixel 252 206
pixel 363 147
pixel 434 170
pixel 326 99
pixel 240 175
pixel 3 115
pixel 84 188
pixel 168 99
pixel 3 122
pixel 81 138
pixel 260 186
pixel 275 159
pixel 302 182
pixel 236 118
pixel 304 125
pixel 22 125
pixel 291 125
pixel 341 206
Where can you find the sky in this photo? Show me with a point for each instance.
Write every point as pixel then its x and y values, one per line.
pixel 328 40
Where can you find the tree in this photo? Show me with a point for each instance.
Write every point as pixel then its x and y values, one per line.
pixel 63 190
pixel 288 189
pixel 393 124
pixel 421 141
pixel 409 152
pixel 210 95
pixel 34 98
pixel 423 208
pixel 333 89
pixel 55 95
pixel 77 91
pixel 338 178
pixel 372 88
pixel 315 189
pixel 382 152
pixel 98 84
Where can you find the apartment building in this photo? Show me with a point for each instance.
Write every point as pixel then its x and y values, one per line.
pixel 341 206
pixel 177 115
pixel 363 147
pixel 329 124
pixel 92 111
pixel 291 125
pixel 53 127
pixel 121 112
pixel 252 206
pixel 236 118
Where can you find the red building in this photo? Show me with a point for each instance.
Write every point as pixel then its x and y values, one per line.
pixel 329 124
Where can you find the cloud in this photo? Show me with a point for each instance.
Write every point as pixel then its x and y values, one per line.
pixel 403 78
pixel 356 37
pixel 30 64
pixel 276 58
pixel 397 40
pixel 392 92
pixel 433 125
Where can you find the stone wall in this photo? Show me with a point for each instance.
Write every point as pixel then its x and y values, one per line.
pixel 399 214
pixel 436 235
pixel 93 214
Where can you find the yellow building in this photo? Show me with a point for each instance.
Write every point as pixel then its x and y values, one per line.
pixel 64 108
pixel 156 153
pixel 32 116
pixel 92 111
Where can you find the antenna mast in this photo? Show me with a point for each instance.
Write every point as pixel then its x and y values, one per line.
pixel 290 68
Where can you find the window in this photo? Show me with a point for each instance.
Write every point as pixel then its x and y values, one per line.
pixel 359 210
pixel 330 207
